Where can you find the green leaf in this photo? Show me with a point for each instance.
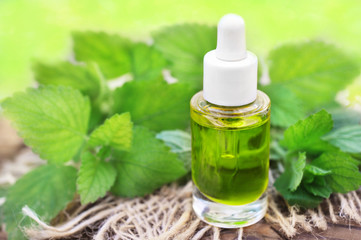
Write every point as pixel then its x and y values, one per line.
pixel 185 46
pixel 343 117
pixel 110 52
pixel 286 106
pixel 46 190
pixel 116 55
pixel 95 178
pixel 306 134
pixel 155 104
pixel 312 171
pixel 147 166
pixel 301 197
pixel 52 120
pixel 347 138
pixel 146 62
pixel 319 187
pixel 314 71
pixel 178 140
pixel 81 77
pixel 345 175
pixel 115 132
pixel 292 176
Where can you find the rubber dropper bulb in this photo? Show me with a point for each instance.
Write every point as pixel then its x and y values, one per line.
pixel 230 71
pixel 231 41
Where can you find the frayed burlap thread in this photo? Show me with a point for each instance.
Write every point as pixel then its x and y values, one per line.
pixel 167 214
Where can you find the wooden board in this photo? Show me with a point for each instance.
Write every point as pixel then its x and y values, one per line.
pixel 265 231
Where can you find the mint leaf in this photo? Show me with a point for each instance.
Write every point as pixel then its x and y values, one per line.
pixel 146 62
pixel 81 77
pixel 185 46
pixel 312 171
pixel 286 106
pixel 314 71
pixel 319 187
pixel 292 176
pixel 179 142
pixel 154 104
pixel 116 55
pixel 345 175
pixel 344 117
pixel 301 197
pixel 306 134
pixel 115 132
pixel 147 166
pixel 347 138
pixel 46 190
pixel 110 52
pixel 95 178
pixel 52 120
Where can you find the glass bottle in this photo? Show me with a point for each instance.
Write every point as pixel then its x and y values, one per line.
pixel 230 123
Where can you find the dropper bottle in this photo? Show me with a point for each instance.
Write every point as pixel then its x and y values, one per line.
pixel 230 122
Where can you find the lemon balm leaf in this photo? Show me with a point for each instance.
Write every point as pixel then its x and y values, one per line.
pixel 314 71
pixel 155 104
pixel 292 176
pixel 347 138
pixel 305 135
pixel 46 190
pixel 81 77
pixel 148 165
pixel 52 120
pixel 114 132
pixel 345 174
pixel 147 62
pixel 185 46
pixel 287 108
pixel 95 178
pixel 117 55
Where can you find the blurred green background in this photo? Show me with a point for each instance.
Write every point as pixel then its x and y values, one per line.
pixel 40 29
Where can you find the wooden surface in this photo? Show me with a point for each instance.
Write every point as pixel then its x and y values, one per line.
pixel 263 230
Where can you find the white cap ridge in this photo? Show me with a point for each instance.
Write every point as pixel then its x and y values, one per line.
pixel 230 71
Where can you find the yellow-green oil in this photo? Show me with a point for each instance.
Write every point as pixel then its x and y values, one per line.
pixel 230 156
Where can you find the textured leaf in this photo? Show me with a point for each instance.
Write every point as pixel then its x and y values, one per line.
pixel 314 71
pixel 286 106
pixel 80 77
pixel 177 140
pixel 319 187
pixel 347 138
pixel 115 132
pixel 306 134
pixel 301 197
pixel 110 52
pixel 147 166
pixel 343 117
pixel 146 62
pixel 312 171
pixel 95 178
pixel 292 176
pixel 52 120
pixel 185 46
pixel 46 190
pixel 345 175
pixel 155 104
pixel 116 55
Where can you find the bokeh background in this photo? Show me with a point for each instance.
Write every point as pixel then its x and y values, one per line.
pixel 41 29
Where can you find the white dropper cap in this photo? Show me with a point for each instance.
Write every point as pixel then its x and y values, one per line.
pixel 230 71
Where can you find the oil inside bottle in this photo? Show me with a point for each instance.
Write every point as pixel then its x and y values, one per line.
pixel 230 165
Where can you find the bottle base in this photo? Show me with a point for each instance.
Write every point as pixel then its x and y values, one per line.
pixel 228 216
